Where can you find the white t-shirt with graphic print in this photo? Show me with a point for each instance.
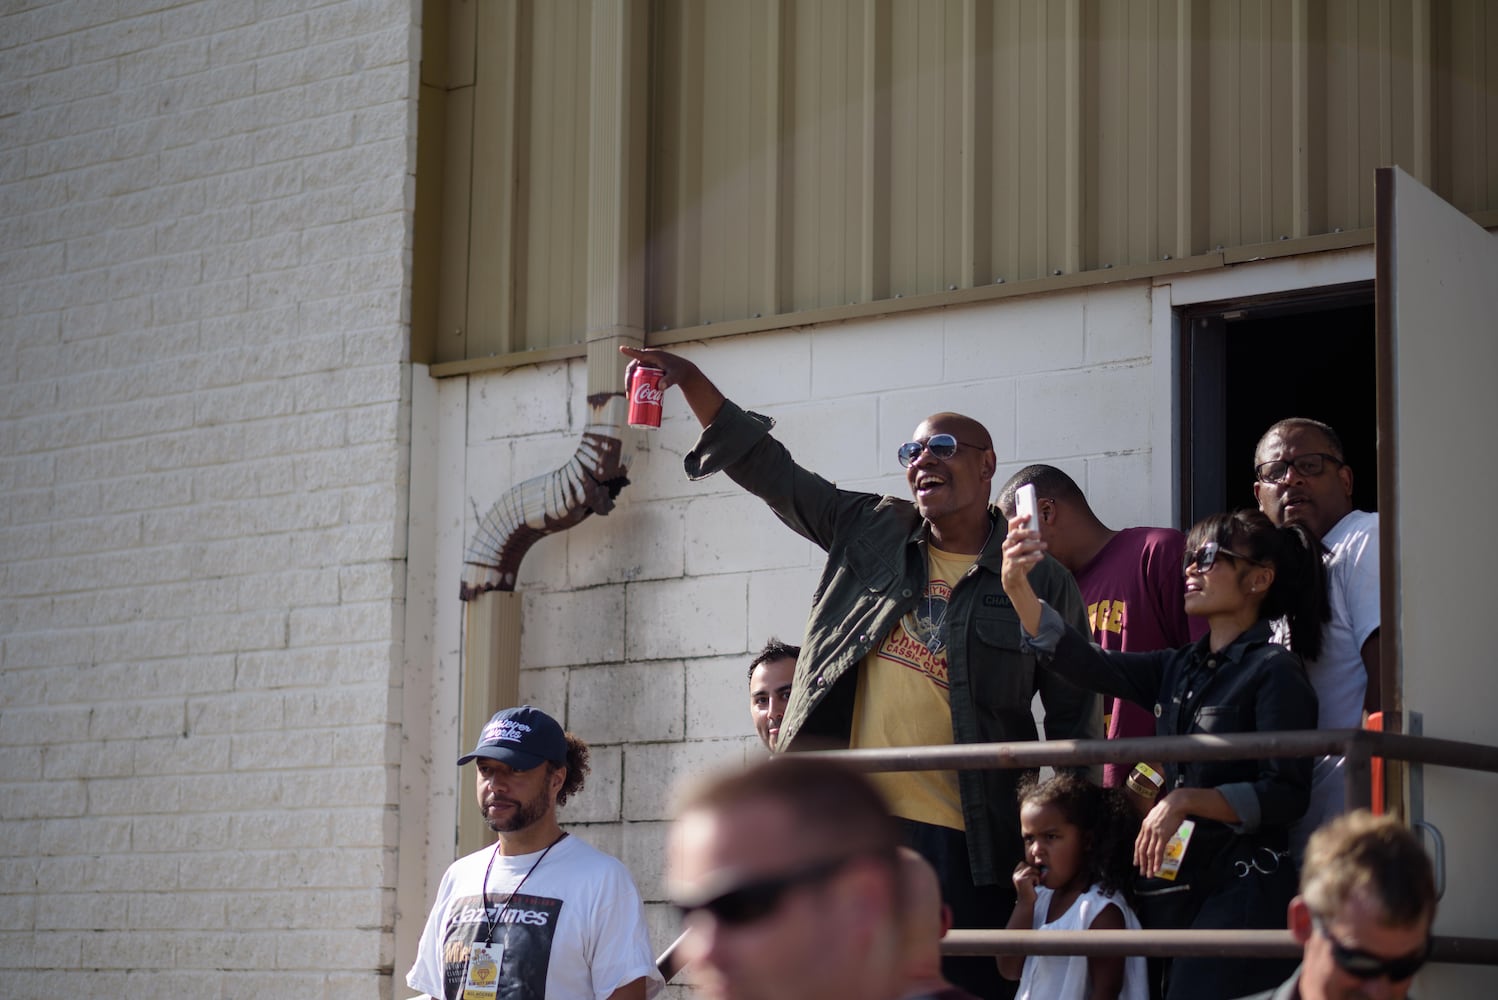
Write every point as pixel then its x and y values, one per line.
pixel 575 931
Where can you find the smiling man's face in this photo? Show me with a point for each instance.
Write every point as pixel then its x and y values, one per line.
pixel 942 487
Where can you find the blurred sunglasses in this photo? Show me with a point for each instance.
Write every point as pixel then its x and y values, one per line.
pixel 756 900
pixel 943 446
pixel 1205 557
pixel 1365 966
pixel 1309 464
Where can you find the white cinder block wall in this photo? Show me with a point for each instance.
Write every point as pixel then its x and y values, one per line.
pixel 204 232
pixel 638 626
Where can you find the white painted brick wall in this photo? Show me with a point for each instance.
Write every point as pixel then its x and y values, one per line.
pixel 204 209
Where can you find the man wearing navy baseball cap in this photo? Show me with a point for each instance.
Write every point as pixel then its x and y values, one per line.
pixel 541 913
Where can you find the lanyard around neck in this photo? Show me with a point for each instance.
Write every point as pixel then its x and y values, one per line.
pixel 490 925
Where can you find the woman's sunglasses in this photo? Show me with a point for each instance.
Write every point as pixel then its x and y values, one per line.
pixel 1205 557
pixel 1362 965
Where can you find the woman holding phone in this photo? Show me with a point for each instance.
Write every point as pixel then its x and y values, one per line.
pixel 1234 869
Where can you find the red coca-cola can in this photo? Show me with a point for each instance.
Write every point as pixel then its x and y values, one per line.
pixel 645 392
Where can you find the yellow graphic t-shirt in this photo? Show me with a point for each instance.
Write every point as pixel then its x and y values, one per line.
pixel 902 699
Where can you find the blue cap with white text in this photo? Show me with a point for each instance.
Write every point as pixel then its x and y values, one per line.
pixel 523 738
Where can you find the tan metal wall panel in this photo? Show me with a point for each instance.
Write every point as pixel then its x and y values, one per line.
pixel 728 161
pixel 552 271
pixel 450 338
pixel 807 154
pixel 1360 38
pixel 676 114
pixel 1130 171
pixel 1466 92
pixel 923 243
pixel 930 145
pixel 497 125
pixel 823 132
pixel 1342 123
pixel 715 161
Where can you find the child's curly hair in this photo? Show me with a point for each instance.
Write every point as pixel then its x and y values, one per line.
pixel 1107 822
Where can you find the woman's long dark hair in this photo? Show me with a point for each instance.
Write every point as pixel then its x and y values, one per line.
pixel 1298 593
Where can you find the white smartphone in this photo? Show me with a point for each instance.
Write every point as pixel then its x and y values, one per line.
pixel 1024 503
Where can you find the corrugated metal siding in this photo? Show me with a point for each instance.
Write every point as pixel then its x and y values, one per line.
pixel 1466 102
pixel 527 256
pixel 806 154
pixel 714 159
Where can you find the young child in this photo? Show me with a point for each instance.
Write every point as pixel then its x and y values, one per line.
pixel 1078 867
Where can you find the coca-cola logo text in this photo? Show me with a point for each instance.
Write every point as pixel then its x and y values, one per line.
pixel 648 394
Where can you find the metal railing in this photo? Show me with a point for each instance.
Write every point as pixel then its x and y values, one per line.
pixel 1358 746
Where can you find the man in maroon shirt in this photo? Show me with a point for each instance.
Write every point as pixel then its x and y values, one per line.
pixel 1131 582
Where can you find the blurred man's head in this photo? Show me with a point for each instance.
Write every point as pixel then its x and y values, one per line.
pixel 787 879
pixel 1364 913
pixel 770 675
pixel 926 921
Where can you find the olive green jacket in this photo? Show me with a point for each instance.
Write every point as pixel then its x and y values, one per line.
pixel 875 573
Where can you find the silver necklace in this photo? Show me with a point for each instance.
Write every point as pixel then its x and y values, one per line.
pixel 935 640
pixel 933 629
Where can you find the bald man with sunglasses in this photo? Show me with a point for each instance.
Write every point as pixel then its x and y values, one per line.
pixel 911 640
pixel 1364 914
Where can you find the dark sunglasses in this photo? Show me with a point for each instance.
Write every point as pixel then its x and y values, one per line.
pixel 756 900
pixel 1309 464
pixel 1205 557
pixel 943 446
pixel 1365 966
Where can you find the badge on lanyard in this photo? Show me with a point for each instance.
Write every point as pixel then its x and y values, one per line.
pixel 481 980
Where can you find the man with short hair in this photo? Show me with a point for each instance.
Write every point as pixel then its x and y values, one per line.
pixel 788 884
pixel 770 675
pixel 927 920
pixel 1131 582
pixel 542 914
pixel 911 639
pixel 1300 476
pixel 1364 914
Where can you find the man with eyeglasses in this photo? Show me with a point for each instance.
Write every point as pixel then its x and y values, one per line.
pixel 1364 914
pixel 1300 476
pixel 788 882
pixel 911 640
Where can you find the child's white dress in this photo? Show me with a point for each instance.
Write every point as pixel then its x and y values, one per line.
pixel 1064 977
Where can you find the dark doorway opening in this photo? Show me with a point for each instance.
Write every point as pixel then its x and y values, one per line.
pixel 1249 363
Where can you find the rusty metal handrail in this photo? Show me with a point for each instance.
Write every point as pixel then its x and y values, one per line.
pixel 1148 943
pixel 1357 745
pixel 1177 943
pixel 1129 750
pixel 1151 944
